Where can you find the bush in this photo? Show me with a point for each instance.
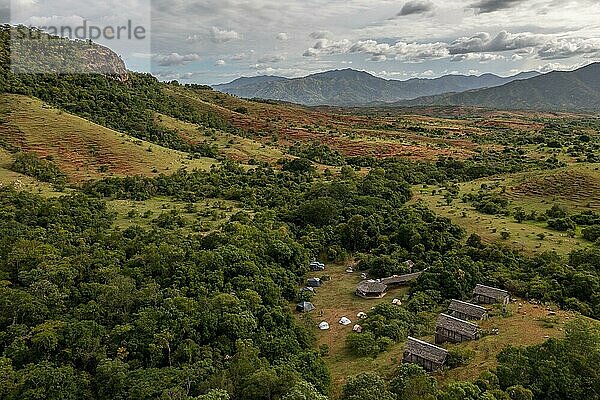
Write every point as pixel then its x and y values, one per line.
pixel 458 357
pixel 43 170
pixel 591 233
pixel 363 344
pixel 561 224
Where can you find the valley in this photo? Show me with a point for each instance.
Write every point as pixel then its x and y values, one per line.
pixel 156 237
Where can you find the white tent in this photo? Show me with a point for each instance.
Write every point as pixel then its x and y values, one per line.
pixel 323 326
pixel 357 328
pixel 345 321
pixel 361 315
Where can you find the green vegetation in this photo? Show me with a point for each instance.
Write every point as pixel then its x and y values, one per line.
pixel 43 170
pixel 180 283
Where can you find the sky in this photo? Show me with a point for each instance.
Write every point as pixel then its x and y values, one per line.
pixel 216 41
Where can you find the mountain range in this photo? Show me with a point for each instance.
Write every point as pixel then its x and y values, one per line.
pixel 349 87
pixel 573 90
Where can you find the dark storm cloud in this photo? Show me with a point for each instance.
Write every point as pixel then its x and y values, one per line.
pixel 488 6
pixel 416 7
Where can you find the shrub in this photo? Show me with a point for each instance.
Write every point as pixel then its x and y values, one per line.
pixel 44 170
pixel 458 357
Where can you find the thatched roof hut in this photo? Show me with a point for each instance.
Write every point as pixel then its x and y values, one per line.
pixel 427 355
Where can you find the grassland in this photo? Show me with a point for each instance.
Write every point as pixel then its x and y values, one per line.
pixel 232 146
pixel 351 134
pixel 203 216
pixel 526 324
pixel 84 150
pixel 576 187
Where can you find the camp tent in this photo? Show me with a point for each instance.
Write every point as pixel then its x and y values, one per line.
pixel 305 306
pixel 314 282
pixel 345 321
pixel 323 326
pixel 317 266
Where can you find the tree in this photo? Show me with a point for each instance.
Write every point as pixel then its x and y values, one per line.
pixel 460 391
pixel 411 382
pixel 518 392
pixel 520 214
pixel 304 391
pixel 366 386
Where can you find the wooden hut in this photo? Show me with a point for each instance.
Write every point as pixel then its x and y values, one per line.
pixel 427 355
pixel 454 330
pixel 371 289
pixel 399 280
pixel 466 311
pixel 489 295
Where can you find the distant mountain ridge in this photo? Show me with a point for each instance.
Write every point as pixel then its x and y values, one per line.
pixel 348 87
pixel 577 90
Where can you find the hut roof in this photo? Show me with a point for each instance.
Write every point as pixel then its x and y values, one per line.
pixel 426 350
pixel 489 291
pixel 454 324
pixel 371 287
pixel 472 310
pixel 401 279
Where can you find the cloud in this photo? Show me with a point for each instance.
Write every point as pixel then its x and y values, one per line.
pixel 401 51
pixel 484 42
pixel 524 44
pixel 220 63
pixel 222 35
pixel 320 35
pixel 242 56
pixel 416 7
pixel 282 36
pixel 559 67
pixel 271 59
pixel 480 57
pixel 327 46
pixel 488 6
pixel 566 48
pixel 175 59
pixel 378 58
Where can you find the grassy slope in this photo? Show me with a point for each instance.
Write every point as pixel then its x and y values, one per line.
pixel 352 135
pixel 81 148
pixel 234 147
pixel 576 187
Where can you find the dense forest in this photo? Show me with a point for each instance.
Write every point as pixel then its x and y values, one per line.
pixel 90 311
